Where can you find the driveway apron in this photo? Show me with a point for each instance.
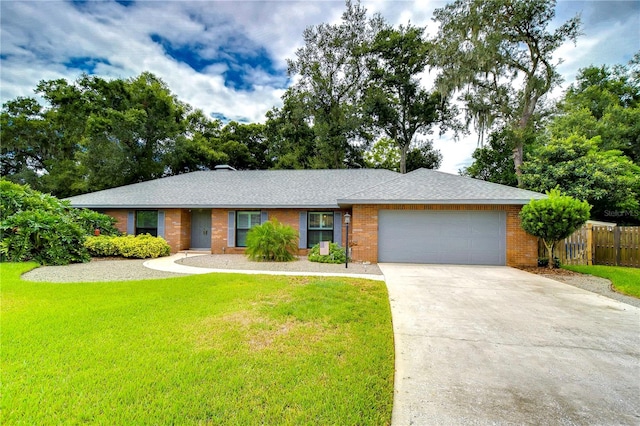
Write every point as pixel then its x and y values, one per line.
pixel 496 345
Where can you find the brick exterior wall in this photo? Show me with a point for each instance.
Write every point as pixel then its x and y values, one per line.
pixel 120 216
pixel 522 248
pixel 177 226
pixel 220 227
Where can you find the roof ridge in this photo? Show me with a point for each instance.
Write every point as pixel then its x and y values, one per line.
pixel 401 175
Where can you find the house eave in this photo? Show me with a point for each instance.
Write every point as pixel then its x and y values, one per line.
pixel 517 202
pixel 207 206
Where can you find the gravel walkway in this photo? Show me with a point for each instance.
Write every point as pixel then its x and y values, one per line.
pixel 97 270
pixel 595 285
pixel 302 264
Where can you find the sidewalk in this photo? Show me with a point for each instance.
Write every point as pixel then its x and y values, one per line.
pixel 168 264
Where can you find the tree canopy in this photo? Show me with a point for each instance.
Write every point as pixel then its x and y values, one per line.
pixel 499 55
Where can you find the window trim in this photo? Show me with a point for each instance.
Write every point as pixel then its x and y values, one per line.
pixel 321 229
pixel 238 228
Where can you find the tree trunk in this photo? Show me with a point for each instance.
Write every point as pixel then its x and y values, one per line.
pixel 403 158
pixel 518 154
pixel 550 253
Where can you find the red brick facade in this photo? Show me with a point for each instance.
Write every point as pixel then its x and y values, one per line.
pixel 522 249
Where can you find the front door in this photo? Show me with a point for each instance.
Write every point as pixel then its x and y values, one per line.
pixel 201 229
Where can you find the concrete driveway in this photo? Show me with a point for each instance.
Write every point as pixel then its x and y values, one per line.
pixel 496 345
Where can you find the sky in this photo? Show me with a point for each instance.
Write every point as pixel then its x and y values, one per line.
pixel 228 58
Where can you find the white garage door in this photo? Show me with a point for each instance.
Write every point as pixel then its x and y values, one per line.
pixel 452 237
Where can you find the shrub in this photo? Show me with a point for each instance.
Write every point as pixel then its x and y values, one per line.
pixel 139 247
pixel 336 254
pixel 272 241
pixel 39 227
pixel 554 218
pixel 90 220
pixel 45 237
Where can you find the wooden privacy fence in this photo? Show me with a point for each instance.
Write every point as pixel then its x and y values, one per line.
pixel 599 245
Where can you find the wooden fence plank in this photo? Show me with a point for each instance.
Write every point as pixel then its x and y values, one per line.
pixel 599 245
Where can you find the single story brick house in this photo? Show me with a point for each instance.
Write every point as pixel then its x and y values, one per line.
pixel 424 216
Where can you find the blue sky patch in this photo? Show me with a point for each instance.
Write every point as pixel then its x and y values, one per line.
pixel 85 63
pixel 243 66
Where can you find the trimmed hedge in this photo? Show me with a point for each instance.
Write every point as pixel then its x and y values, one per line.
pixel 139 247
pixel 336 254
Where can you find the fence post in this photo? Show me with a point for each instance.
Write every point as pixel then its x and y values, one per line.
pixel 616 244
pixel 590 241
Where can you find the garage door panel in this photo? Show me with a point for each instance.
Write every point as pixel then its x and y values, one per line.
pixel 450 237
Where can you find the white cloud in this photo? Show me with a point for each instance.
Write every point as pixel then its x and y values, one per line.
pixel 39 38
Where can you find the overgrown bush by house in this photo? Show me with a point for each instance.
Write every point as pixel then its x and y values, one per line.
pixel 39 227
pixel 336 254
pixel 139 247
pixel 272 241
pixel 90 220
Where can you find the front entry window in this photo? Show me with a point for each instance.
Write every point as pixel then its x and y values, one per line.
pixel 320 228
pixel 147 222
pixel 244 222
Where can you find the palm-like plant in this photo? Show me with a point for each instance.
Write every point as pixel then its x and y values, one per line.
pixel 272 241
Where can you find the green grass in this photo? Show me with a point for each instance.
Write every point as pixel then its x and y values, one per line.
pixel 624 280
pixel 223 349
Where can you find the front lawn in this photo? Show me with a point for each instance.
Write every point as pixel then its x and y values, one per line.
pixel 624 280
pixel 223 349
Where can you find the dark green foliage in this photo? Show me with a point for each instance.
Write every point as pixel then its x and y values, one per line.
pixel 554 218
pixel 142 246
pixel 395 100
pixel 46 237
pixel 39 227
pixel 336 254
pixel 607 180
pixel 272 242
pixel 90 220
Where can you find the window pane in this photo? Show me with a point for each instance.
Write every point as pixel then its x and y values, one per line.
pixel 327 220
pixel 247 220
pixel 314 237
pixel 241 237
pixel 146 219
pixel 243 220
pixel 255 219
pixel 320 220
pixel 147 222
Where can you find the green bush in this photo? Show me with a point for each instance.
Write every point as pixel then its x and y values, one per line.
pixel 90 220
pixel 142 246
pixel 41 236
pixel 272 241
pixel 336 254
pixel 39 227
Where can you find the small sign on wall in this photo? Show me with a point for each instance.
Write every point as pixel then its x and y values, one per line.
pixel 324 248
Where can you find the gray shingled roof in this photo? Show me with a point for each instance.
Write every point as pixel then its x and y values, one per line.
pixel 424 186
pixel 304 189
pixel 236 189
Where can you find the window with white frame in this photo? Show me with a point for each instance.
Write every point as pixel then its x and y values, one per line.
pixel 244 222
pixel 319 228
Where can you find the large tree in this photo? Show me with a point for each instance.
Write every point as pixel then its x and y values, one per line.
pixel 330 71
pixel 607 180
pixel 500 56
pixel 396 101
pixel 604 101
